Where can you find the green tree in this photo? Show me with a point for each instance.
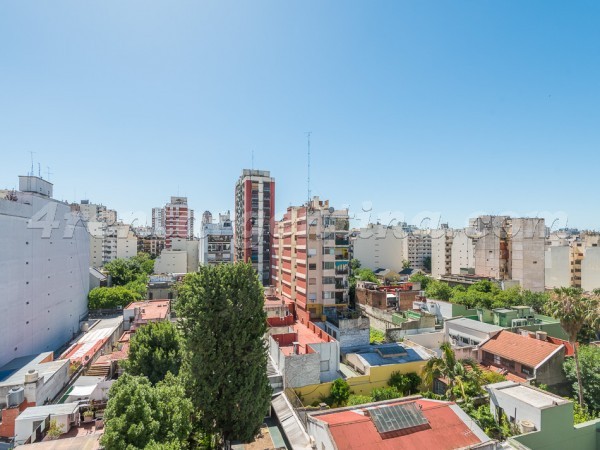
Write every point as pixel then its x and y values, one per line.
pixel 155 350
pixel 582 413
pixel 139 415
pixel 223 323
pixel 427 263
pixel 340 392
pixel 406 383
pixel 366 275
pixel 385 393
pixel 354 264
pixel 376 336
pixel 574 309
pixel 589 361
pixel 463 376
pixel 438 290
pixel 420 278
pixel 405 264
pixel 105 297
pixel 354 400
pixel 55 430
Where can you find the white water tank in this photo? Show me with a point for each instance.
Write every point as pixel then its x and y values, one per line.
pixel 541 335
pixel 85 327
pixel 31 376
pixel 15 396
pixel 527 426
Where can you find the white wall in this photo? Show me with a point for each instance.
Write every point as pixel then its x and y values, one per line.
pixel 558 267
pixel 44 275
pixel 590 269
pixel 320 432
pixel 171 261
pixel 463 251
pixel 377 246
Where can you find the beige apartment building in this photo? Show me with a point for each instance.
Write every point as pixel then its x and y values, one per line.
pixel 452 251
pixel 380 246
pixel 108 242
pixel 573 261
pixel 310 258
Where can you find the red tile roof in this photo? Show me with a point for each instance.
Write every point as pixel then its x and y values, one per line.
pixel 354 430
pixel 521 349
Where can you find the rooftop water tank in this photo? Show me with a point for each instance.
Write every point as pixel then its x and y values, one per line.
pixel 15 396
pixel 31 376
pixel 527 426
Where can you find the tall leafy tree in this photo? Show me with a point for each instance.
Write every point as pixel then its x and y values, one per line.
pixel 589 361
pixel 155 350
pixel 139 415
pixel 574 308
pixel 463 376
pixel 223 322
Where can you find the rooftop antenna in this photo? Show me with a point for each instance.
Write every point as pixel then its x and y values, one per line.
pixel 308 133
pixel 31 172
pixel 39 171
pixel 48 173
pixel 252 160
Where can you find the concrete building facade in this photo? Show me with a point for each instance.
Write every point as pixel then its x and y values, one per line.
pixel 311 258
pixel 216 240
pixel 255 221
pixel 179 220
pixel 44 271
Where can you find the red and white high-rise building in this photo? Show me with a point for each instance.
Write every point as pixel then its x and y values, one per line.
pixel 179 220
pixel 254 220
pixel 311 258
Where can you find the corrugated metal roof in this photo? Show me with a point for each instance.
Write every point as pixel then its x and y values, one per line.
pixel 290 423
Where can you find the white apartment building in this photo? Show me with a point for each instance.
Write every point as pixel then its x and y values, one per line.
pixel 158 221
pixel 44 270
pixel 381 246
pixel 216 241
pixel 109 242
pixel 92 212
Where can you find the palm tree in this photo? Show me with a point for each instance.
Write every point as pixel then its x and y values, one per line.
pixel 574 308
pixel 459 373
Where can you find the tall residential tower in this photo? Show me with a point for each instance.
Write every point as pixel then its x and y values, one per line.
pixel 255 220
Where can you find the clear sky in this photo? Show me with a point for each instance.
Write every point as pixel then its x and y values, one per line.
pixel 417 109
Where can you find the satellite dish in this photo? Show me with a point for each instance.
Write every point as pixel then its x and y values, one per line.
pixel 331 209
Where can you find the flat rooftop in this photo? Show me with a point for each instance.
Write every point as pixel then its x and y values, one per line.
pixel 371 355
pixel 34 412
pixel 151 309
pixel 475 325
pixel 305 337
pixel 527 394
pixel 13 373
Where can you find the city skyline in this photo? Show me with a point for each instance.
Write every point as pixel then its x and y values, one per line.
pixel 417 109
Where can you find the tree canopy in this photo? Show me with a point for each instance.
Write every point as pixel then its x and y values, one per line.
pixel 140 416
pixel 111 297
pixel 155 350
pixel 589 361
pixel 223 323
pixel 574 308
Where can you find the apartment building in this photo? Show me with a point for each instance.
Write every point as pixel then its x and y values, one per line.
pixel 255 220
pixel 158 221
pixel 452 251
pixel 216 241
pixel 311 258
pixel 152 244
pixel 111 241
pixel 388 247
pixel 573 261
pixel 44 270
pixel 179 220
pixel 91 212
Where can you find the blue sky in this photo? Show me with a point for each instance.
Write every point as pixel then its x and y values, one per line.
pixel 417 109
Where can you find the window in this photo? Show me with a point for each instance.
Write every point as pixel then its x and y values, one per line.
pixel 328 295
pixel 328 265
pixel 312 281
pixel 312 266
pixel 328 251
pixel 325 366
pixel 497 360
pixel 527 370
pixel 328 280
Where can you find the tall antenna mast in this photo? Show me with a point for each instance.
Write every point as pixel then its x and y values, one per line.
pixel 31 173
pixel 48 172
pixel 308 165
pixel 252 160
